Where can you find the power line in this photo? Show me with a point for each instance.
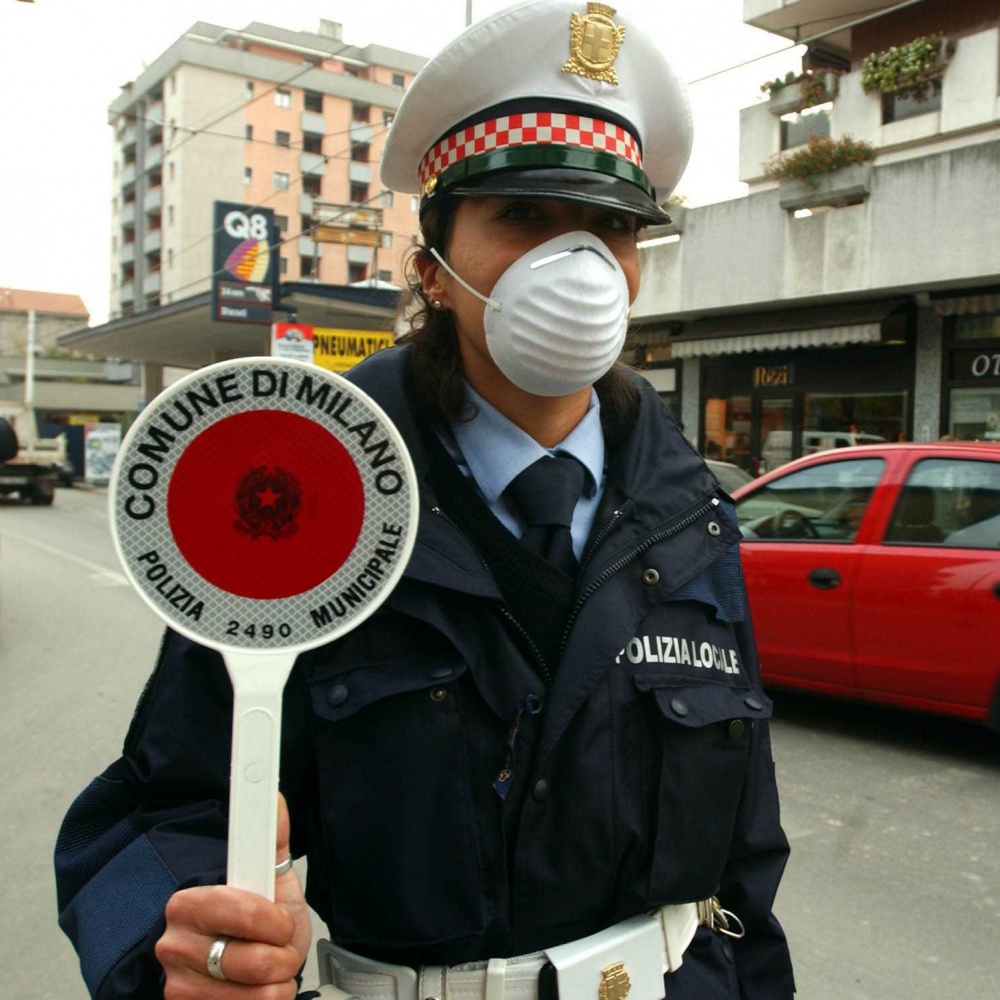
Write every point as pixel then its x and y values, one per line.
pixel 878 12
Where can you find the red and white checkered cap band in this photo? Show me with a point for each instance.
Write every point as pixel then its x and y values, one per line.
pixel 542 128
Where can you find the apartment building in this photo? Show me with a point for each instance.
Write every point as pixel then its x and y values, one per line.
pixel 861 300
pixel 287 120
pixel 54 313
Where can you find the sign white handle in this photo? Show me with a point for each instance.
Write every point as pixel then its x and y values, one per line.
pixel 258 682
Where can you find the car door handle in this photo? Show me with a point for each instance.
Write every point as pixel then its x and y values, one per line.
pixel 824 579
pixel 996 590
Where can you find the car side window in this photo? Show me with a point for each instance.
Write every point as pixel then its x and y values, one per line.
pixel 824 503
pixel 951 502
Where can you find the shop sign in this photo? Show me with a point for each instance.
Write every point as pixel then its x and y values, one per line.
pixel 244 263
pixel 341 350
pixel 766 376
pixel 980 365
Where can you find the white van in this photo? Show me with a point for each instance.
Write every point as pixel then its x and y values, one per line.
pixel 777 448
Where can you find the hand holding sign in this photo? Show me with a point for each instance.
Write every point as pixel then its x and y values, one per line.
pixel 262 508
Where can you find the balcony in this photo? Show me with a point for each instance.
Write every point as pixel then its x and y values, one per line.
pixel 313 122
pixel 154 114
pixel 126 292
pixel 359 173
pixel 127 216
pixel 968 104
pixel 152 241
pixel 126 253
pixel 309 247
pixel 153 158
pixel 313 164
pixel 152 199
pixel 127 136
pixel 127 175
pixel 151 283
pixel 362 132
pixel 359 255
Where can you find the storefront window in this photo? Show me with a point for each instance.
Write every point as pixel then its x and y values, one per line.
pixel 727 431
pixel 975 414
pixel 837 421
pixel 977 327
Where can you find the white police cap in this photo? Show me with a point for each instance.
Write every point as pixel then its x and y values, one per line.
pixel 550 98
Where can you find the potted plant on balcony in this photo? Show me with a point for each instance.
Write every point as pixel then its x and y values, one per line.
pixel 907 70
pixel 825 171
pixel 794 91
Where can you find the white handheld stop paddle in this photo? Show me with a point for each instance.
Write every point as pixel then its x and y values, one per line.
pixel 262 507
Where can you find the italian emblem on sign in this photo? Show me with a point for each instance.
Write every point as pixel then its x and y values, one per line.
pixel 594 43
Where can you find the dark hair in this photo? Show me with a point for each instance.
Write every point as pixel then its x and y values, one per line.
pixel 433 340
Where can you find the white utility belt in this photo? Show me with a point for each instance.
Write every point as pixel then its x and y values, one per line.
pixel 628 959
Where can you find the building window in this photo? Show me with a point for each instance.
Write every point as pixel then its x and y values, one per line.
pixel 414 203
pixel 896 108
pixel 282 265
pixel 312 142
pixel 283 98
pixel 313 101
pixel 305 225
pixel 173 83
pixel 248 133
pixel 977 327
pixel 386 199
pixel 385 276
pixel 171 170
pixel 398 80
pixel 311 184
pixel 281 181
pixel 307 267
pixel 173 129
pixel 281 221
pixel 248 90
pixel 387 240
pixel 170 257
pixel 359 193
pixel 282 138
pixel 170 215
pixel 360 112
pixel 356 272
pixel 360 152
pixel 799 127
pixel 247 175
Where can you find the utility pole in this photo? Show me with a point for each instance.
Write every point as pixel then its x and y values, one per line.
pixel 29 361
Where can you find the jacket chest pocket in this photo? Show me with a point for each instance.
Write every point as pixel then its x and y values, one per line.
pixel 402 855
pixel 704 735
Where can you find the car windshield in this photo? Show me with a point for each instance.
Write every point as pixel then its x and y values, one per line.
pixel 821 503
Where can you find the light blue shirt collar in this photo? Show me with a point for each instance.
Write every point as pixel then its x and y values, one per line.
pixel 496 450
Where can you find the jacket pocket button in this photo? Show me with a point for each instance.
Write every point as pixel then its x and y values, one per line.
pixel 678 707
pixel 541 790
pixel 737 729
pixel 753 703
pixel 650 577
pixel 438 694
pixel 336 696
pixel 713 528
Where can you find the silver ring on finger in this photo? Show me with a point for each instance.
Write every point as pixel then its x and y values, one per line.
pixel 215 958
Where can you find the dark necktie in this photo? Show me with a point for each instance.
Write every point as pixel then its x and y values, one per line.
pixel 545 495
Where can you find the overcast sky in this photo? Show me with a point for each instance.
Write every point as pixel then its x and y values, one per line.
pixel 63 61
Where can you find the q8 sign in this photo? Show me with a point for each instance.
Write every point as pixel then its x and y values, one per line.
pixel 244 263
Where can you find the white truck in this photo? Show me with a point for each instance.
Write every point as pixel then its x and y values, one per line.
pixel 33 469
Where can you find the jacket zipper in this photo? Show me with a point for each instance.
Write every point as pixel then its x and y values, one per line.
pixel 620 564
pixel 546 673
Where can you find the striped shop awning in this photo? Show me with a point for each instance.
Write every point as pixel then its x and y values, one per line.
pixel 968 305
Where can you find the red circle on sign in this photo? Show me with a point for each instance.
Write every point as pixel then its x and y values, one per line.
pixel 265 504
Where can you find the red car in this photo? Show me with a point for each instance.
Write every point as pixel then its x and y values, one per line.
pixel 874 573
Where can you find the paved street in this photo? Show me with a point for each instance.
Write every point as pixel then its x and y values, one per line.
pixel 894 886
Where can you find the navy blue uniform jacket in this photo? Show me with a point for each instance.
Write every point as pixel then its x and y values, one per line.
pixel 645 777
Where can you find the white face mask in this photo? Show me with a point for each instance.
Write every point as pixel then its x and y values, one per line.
pixel 556 319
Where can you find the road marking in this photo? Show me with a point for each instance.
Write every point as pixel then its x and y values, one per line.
pixel 100 574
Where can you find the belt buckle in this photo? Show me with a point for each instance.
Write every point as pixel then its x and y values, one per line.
pixel 332 959
pixel 626 960
pixel 715 918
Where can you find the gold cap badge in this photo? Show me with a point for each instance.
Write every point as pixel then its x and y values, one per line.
pixel 615 983
pixel 594 43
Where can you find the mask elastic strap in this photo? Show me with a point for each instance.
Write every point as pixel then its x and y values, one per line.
pixel 482 298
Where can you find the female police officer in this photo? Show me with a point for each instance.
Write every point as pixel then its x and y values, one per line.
pixel 543 767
